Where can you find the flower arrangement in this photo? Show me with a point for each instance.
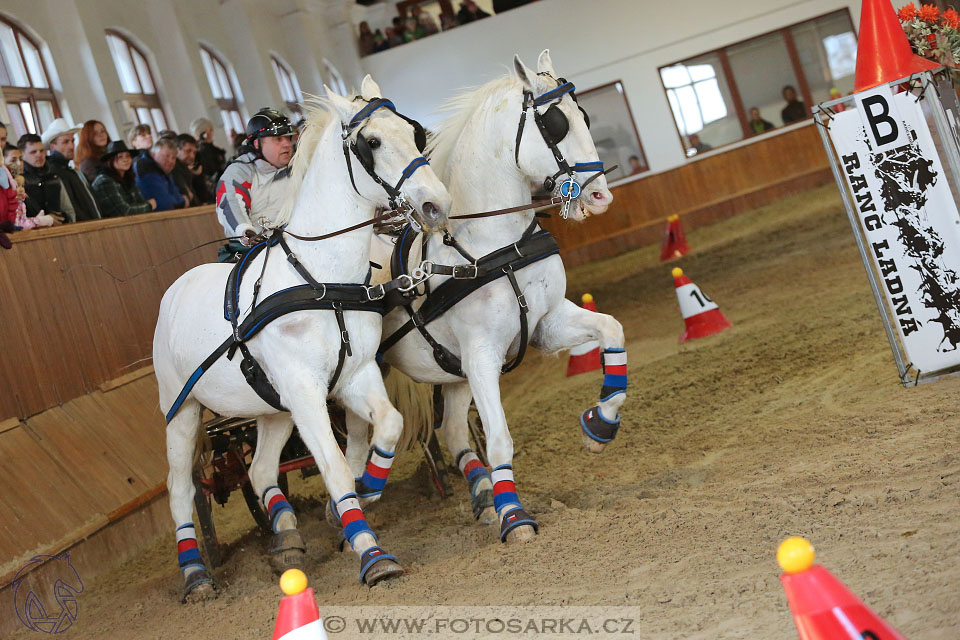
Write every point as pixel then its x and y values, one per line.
pixel 933 35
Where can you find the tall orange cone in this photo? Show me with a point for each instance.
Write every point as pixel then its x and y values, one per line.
pixel 585 357
pixel 701 315
pixel 823 608
pixel 298 617
pixel 884 53
pixel 674 240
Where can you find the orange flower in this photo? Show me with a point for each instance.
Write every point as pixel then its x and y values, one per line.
pixel 929 13
pixel 907 12
pixel 952 19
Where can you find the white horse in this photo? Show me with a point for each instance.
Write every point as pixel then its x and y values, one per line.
pixel 475 152
pixel 299 352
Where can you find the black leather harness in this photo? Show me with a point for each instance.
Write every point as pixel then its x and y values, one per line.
pixel 534 245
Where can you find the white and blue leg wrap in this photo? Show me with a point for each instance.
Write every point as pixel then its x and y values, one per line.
pixel 188 554
pixel 614 373
pixel 348 510
pixel 275 503
pixel 374 477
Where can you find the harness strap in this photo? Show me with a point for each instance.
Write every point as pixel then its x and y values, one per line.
pixel 522 303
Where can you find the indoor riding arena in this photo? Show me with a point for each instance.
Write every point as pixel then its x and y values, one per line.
pixel 758 201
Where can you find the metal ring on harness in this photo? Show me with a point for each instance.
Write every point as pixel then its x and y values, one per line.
pixel 570 188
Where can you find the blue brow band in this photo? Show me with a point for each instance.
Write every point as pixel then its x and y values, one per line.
pixel 415 164
pixel 368 110
pixel 588 166
pixel 557 93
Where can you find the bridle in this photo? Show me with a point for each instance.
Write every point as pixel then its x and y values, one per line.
pixel 554 127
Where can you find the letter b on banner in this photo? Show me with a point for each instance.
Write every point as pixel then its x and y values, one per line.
pixel 881 120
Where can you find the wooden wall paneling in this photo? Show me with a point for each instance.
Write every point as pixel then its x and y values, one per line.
pixel 20 358
pixel 134 417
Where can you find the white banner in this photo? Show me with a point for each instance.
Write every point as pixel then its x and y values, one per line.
pixel 909 219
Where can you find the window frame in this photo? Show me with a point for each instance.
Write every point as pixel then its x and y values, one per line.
pixel 32 94
pixel 142 100
pixel 803 85
pixel 281 67
pixel 229 105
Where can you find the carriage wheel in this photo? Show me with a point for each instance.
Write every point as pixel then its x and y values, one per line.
pixel 250 496
pixel 204 505
pixel 432 452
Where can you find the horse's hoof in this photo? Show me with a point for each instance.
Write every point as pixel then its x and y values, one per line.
pixel 381 571
pixel 592 445
pixel 287 559
pixel 198 587
pixel 522 533
pixel 488 516
pixel 332 519
pixel 288 551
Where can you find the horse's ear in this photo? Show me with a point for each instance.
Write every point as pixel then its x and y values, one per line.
pixel 526 74
pixel 545 64
pixel 342 106
pixel 369 89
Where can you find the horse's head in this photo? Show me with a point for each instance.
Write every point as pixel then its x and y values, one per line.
pixel 556 143
pixel 385 151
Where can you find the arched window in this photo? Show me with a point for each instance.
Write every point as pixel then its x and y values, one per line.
pixel 289 87
pixel 224 91
pixel 136 79
pixel 334 79
pixel 31 105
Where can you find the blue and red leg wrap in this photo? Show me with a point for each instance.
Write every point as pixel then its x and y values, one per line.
pixel 275 503
pixel 507 502
pixel 348 510
pixel 374 477
pixel 614 373
pixel 188 554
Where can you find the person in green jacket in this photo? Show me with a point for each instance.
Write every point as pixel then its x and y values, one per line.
pixel 114 187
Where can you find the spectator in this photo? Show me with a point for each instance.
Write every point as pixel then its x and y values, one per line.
pixel 697 145
pixel 380 42
pixel 115 187
pixel 469 11
pixel 59 140
pixel 141 139
pixel 13 160
pixel 44 191
pixel 448 21
pixel 758 124
pixel 187 174
pixel 167 133
pixel 11 198
pixel 394 37
pixel 412 30
pixel 153 176
pixel 92 143
pixel 427 24
pixel 210 158
pixel 635 165
pixel 795 111
pixel 365 39
pixel 3 136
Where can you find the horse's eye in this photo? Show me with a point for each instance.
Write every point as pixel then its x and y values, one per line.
pixel 373 143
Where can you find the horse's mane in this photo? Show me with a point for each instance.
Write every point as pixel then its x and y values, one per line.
pixel 319 114
pixel 462 109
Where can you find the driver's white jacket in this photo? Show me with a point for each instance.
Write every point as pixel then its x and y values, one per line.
pixel 250 193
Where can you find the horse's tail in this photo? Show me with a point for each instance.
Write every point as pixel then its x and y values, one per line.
pixel 414 401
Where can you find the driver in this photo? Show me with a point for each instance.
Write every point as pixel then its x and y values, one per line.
pixel 251 189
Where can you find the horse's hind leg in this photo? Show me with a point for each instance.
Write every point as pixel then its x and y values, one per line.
pixel 456 405
pixel 181 451
pixel 358 444
pixel 287 549
pixel 569 326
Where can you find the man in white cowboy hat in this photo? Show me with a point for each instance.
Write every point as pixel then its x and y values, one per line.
pixel 58 138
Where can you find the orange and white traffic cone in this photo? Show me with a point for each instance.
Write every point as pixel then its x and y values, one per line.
pixel 674 240
pixel 701 314
pixel 585 357
pixel 823 608
pixel 298 617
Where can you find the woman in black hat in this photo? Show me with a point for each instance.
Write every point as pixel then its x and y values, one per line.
pixel 115 189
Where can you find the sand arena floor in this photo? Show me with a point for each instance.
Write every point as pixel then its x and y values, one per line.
pixel 791 423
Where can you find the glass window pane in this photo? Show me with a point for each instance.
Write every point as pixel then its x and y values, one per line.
pixel 143 116
pixel 121 59
pixel 677 113
pixel 159 120
pixel 237 122
pixel 11 57
pixel 690 107
pixel 211 74
pixel 37 77
pixel 28 117
pixel 143 71
pixel 675 76
pixel 827 48
pixel 613 131
pixel 762 70
pixel 225 87
pixel 16 121
pixel 702 72
pixel 712 106
pixel 45 113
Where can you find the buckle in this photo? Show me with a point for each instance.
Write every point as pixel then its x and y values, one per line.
pixel 345 337
pixel 373 297
pixel 463 272
pixel 323 292
pixel 522 301
pixel 411 283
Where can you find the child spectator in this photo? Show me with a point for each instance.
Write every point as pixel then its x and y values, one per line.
pixel 92 144
pixel 114 186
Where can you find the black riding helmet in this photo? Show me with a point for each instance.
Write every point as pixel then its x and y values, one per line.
pixel 268 123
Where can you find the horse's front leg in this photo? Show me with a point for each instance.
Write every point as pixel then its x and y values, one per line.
pixel 287 549
pixel 456 406
pixel 305 396
pixel 569 326
pixel 481 364
pixel 358 443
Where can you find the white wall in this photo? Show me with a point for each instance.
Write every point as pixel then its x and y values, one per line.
pixel 592 44
pixel 244 32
